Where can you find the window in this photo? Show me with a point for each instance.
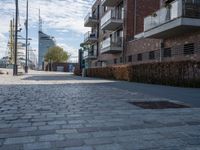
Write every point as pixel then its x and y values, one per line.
pixel 139 57
pixel 167 52
pixel 151 55
pixel 121 59
pixel 130 58
pixel 188 49
pixel 115 61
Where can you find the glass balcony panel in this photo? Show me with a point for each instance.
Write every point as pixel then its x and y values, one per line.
pixel 174 19
pixel 106 43
pixel 174 10
pixel 162 16
pixel 106 17
pixel 90 37
pixel 90 20
pixel 111 45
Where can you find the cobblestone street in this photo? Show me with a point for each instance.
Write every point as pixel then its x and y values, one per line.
pixel 56 111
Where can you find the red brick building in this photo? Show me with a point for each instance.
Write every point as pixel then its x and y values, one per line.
pixel 142 31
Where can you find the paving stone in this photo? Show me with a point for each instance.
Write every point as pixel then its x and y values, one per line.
pixel 39 132
pixel 1 142
pixel 85 130
pixel 192 148
pixel 36 146
pixel 80 148
pixel 98 141
pixel 103 134
pixel 12 147
pixel 109 147
pixel 69 143
pixel 49 127
pixel 65 131
pixel 26 129
pixel 109 128
pixel 19 140
pixel 57 122
pixel 8 130
pixel 78 135
pixel 51 137
pixel 192 141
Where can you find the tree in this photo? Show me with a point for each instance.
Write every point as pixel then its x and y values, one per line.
pixel 56 54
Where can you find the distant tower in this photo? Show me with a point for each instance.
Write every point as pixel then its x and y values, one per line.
pixel 40 22
pixel 45 41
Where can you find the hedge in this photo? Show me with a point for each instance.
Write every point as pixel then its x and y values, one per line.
pixel 182 73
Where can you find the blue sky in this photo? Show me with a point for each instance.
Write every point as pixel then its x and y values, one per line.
pixel 62 19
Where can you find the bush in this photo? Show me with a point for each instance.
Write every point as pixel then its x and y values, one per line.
pixel 182 73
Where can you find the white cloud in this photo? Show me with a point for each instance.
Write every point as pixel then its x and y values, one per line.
pixel 71 50
pixel 62 16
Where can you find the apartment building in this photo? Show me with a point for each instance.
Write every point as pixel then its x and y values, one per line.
pixel 142 31
pixel 104 44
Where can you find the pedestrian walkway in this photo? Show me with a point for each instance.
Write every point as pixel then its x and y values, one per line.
pixel 58 111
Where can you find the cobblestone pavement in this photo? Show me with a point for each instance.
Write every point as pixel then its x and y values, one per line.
pixel 55 111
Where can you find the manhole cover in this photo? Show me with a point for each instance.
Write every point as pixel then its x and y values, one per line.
pixel 158 105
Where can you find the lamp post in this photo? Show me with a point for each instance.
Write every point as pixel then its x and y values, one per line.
pixel 26 65
pixel 15 71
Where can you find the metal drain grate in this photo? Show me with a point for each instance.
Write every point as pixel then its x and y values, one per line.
pixel 158 105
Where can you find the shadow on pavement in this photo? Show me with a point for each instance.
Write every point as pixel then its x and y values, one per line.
pixel 53 77
pixel 186 95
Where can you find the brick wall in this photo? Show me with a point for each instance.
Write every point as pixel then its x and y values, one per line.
pixel 143 9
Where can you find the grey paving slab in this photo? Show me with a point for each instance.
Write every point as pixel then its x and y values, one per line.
pixel 58 111
pixel 37 145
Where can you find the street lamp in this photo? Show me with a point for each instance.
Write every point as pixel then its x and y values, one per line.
pixel 15 72
pixel 26 65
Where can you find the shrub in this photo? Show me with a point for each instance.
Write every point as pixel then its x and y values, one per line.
pixel 182 73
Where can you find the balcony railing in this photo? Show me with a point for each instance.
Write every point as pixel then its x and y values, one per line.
pixel 90 37
pixel 89 54
pixel 112 45
pixel 175 10
pixel 90 20
pixel 111 20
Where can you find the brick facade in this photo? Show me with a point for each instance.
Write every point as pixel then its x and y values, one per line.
pixel 135 11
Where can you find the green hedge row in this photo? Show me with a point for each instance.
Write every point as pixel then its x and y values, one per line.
pixel 182 73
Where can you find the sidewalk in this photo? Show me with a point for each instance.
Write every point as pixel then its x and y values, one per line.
pixel 58 111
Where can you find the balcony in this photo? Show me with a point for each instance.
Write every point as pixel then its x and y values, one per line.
pixel 90 37
pixel 110 3
pixel 112 46
pixel 89 55
pixel 112 20
pixel 90 20
pixel 179 17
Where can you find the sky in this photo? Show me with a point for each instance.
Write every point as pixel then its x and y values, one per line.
pixel 63 19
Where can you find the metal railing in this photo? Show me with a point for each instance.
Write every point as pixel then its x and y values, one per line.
pixel 111 14
pixel 110 42
pixel 90 16
pixel 90 34
pixel 89 53
pixel 176 9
